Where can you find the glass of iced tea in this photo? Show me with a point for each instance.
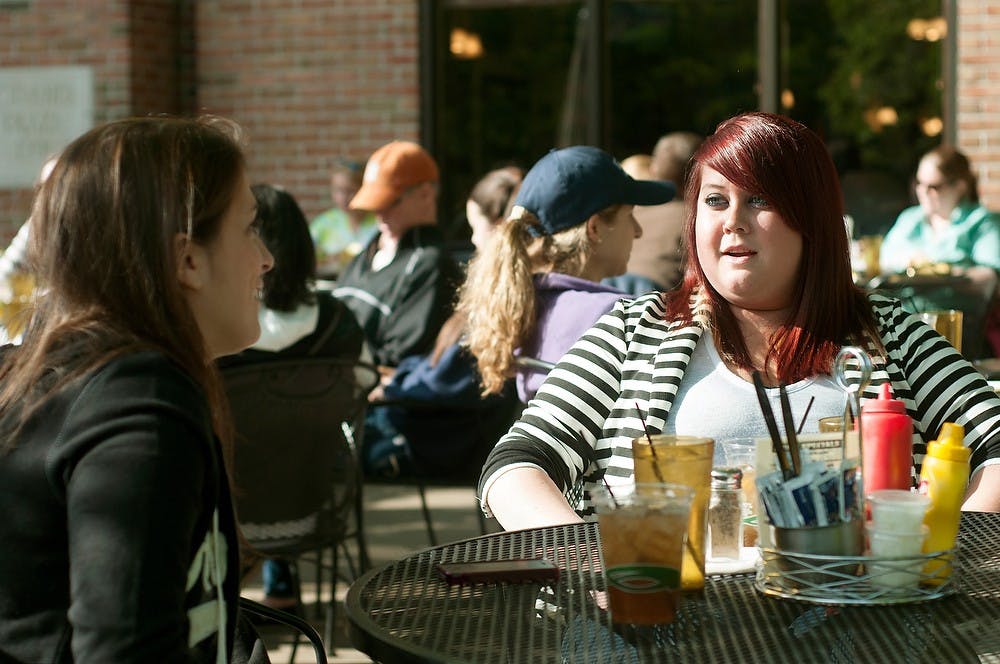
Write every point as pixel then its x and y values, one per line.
pixel 643 530
pixel 685 460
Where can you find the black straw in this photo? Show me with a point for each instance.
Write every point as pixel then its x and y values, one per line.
pixel 610 492
pixel 772 425
pixel 652 447
pixel 793 442
pixel 802 422
pixel 642 419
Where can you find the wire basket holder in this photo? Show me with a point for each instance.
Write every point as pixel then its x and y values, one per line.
pixel 840 580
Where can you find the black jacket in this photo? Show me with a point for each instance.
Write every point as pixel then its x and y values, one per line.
pixel 108 505
pixel 402 306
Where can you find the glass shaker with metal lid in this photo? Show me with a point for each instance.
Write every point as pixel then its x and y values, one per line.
pixel 725 514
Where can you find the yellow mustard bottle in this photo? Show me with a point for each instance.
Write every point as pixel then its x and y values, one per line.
pixel 944 476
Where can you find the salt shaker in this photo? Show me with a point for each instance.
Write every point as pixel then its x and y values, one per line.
pixel 725 514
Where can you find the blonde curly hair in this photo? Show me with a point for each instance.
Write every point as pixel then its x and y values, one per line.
pixel 498 296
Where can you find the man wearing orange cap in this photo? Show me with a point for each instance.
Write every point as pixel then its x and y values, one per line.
pixel 401 286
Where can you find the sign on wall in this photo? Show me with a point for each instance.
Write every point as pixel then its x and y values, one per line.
pixel 41 110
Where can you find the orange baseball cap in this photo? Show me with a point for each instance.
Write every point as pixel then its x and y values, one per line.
pixel 391 170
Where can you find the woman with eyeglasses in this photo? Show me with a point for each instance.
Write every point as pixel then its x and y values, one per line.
pixel 949 225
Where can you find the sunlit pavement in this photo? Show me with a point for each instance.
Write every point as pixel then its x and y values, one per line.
pixel 395 528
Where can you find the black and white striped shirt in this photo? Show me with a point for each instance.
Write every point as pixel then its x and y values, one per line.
pixel 581 423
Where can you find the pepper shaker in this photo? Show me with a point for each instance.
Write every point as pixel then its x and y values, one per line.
pixel 725 514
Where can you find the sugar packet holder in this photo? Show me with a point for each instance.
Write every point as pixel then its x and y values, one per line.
pixel 819 496
pixel 831 449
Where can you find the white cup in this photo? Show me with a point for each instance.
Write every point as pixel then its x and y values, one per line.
pixel 896 574
pixel 898 510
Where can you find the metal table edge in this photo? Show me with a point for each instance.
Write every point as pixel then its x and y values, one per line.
pixel 363 630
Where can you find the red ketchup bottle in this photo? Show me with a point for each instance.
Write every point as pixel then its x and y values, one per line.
pixel 887 448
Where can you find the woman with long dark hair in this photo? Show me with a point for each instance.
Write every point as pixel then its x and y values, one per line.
pixel 296 321
pixel 119 540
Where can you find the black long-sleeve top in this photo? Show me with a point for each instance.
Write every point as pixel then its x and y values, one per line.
pixel 117 535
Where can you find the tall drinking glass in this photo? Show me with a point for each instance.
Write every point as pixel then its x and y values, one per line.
pixel 948 323
pixel 683 460
pixel 741 453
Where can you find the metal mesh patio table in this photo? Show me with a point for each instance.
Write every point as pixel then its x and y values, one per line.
pixel 403 612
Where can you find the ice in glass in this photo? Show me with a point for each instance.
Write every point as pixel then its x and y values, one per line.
pixel 643 531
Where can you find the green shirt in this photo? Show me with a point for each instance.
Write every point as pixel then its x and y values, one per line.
pixel 336 242
pixel 972 239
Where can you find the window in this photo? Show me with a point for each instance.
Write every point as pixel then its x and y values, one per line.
pixel 507 81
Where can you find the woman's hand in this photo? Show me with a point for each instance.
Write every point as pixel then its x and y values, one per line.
pixel 385 376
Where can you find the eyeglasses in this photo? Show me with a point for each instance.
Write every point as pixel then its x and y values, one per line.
pixel 934 187
pixel 399 199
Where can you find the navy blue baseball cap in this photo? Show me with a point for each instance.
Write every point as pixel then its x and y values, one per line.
pixel 566 187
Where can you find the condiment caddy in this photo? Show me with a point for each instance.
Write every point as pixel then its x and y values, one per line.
pixel 835 580
pixel 814 542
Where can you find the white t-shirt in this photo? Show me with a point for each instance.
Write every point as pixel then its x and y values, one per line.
pixel 713 401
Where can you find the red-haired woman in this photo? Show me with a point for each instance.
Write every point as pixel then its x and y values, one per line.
pixel 768 287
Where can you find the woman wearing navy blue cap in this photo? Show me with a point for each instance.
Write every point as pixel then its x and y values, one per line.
pixel 536 287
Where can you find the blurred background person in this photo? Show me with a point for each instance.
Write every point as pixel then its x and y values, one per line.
pixel 17 277
pixel 295 321
pixel 637 166
pixel 14 262
pixel 340 232
pixel 949 234
pixel 490 201
pixel 434 418
pixel 948 225
pixel 657 260
pixel 401 286
pixel 536 287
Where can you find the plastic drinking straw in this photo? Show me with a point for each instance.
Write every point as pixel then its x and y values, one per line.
pixel 802 423
pixel 603 478
pixel 652 447
pixel 793 442
pixel 643 420
pixel 611 493
pixel 772 426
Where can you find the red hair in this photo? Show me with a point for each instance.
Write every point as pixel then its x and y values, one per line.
pixel 785 162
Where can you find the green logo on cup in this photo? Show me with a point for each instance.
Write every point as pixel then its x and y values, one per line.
pixel 644 578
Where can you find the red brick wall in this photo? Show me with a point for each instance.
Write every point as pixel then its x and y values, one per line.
pixel 66 32
pixel 978 92
pixel 310 80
